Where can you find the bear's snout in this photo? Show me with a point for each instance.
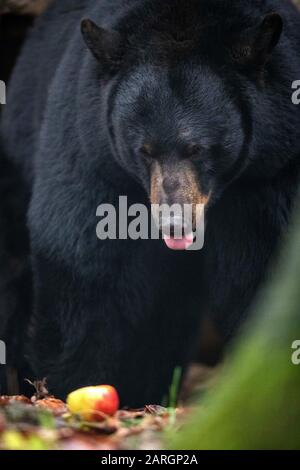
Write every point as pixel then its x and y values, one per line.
pixel 175 187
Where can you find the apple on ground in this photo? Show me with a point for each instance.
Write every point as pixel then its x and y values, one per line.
pixel 94 403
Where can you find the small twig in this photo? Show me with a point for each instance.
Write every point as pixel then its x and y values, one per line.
pixel 41 390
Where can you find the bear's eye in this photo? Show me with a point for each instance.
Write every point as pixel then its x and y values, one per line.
pixel 194 151
pixel 146 151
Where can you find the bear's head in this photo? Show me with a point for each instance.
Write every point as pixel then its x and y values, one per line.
pixel 179 92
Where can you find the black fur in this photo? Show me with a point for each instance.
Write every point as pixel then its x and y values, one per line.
pixel 208 74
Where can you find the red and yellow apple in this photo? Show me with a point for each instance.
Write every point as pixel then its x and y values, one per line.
pixel 93 403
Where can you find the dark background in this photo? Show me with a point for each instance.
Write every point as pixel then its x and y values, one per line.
pixel 13 30
pixel 16 17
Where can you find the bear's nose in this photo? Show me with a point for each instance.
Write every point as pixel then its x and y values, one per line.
pixel 170 184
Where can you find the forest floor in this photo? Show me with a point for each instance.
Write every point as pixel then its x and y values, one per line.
pixel 45 423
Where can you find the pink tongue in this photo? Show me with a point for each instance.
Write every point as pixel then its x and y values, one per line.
pixel 181 244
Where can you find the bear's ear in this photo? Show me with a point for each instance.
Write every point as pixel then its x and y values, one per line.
pixel 107 46
pixel 255 45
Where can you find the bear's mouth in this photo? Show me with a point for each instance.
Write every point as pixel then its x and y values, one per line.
pixel 178 233
pixel 179 244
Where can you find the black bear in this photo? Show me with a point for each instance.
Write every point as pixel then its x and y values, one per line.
pixel 174 102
